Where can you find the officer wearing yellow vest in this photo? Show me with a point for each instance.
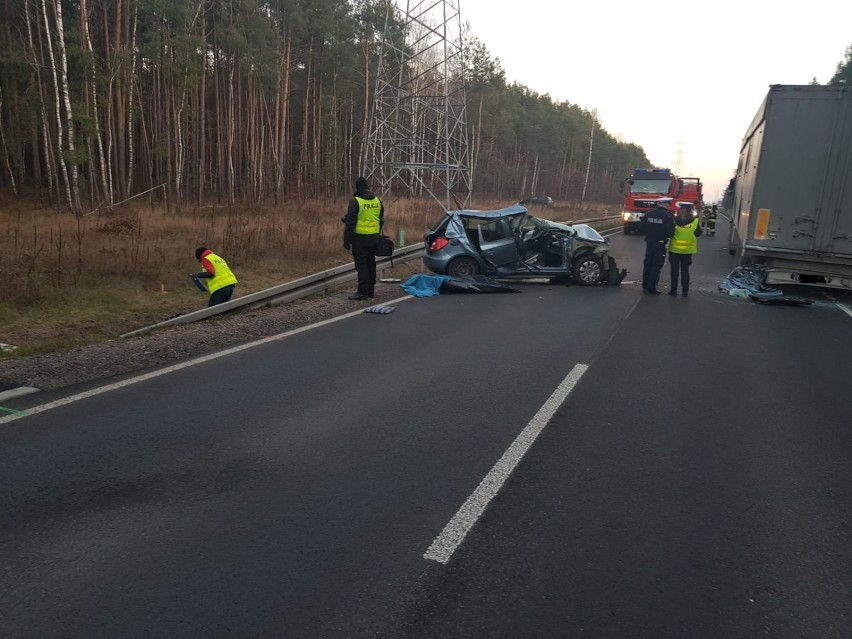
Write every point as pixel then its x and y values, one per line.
pixel 216 273
pixel 362 227
pixel 682 246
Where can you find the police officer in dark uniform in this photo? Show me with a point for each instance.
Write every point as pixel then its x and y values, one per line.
pixel 363 224
pixel 658 226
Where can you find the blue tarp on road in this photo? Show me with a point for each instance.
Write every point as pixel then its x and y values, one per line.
pixel 429 285
pixel 424 285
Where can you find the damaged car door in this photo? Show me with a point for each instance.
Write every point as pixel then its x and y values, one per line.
pixel 497 242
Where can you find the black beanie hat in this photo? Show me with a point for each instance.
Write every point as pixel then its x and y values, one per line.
pixel 199 251
pixel 361 184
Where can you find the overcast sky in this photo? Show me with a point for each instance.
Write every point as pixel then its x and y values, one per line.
pixel 711 62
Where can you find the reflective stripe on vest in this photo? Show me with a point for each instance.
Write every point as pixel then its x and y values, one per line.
pixel 369 213
pixel 684 240
pixel 223 276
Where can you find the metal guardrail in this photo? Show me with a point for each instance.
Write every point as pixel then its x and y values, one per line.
pixel 297 289
pixel 289 291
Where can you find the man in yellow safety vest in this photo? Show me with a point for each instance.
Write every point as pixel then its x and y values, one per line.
pixel 216 273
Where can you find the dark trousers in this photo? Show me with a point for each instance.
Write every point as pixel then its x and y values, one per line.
pixel 222 295
pixel 655 257
pixel 680 263
pixel 365 264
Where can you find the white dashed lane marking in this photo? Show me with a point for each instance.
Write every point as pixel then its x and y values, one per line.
pixel 464 520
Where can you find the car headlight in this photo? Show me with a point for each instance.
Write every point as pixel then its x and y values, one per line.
pixel 625 215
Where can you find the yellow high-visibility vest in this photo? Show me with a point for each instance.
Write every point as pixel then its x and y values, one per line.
pixel 369 215
pixel 223 276
pixel 684 241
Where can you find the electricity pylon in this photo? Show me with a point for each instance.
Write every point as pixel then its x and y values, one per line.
pixel 418 138
pixel 679 153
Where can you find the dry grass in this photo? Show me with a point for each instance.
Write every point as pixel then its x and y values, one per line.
pixel 74 281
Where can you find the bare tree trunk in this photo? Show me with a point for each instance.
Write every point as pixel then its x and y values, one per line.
pixel 477 139
pixel 38 63
pixel 179 149
pixel 87 44
pixel 6 150
pixel 561 190
pixel 303 160
pixel 220 135
pixel 368 106
pixel 201 158
pixel 57 105
pixel 535 176
pixel 69 115
pixel 316 153
pixel 285 112
pixel 131 90
pixel 589 163
pixel 120 75
pixel 231 132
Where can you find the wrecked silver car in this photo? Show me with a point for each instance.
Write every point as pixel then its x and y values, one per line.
pixel 511 243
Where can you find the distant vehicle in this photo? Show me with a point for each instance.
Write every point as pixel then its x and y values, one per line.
pixel 545 200
pixel 645 186
pixel 792 208
pixel 510 243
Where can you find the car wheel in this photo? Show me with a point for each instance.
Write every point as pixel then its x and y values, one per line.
pixel 587 270
pixel 463 267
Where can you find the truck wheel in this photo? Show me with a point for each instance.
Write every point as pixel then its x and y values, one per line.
pixel 627 229
pixel 587 270
pixel 463 267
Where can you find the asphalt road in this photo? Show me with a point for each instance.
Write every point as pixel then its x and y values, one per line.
pixel 668 467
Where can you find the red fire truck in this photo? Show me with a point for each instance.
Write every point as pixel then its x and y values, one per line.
pixel 645 186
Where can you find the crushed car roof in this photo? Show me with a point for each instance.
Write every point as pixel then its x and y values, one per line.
pixel 515 209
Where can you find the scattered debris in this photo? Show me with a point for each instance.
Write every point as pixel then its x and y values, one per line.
pixel 782 301
pixel 380 309
pixel 747 282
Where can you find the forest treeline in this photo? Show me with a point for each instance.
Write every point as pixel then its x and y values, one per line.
pixel 250 102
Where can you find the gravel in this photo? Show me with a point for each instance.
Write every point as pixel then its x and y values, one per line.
pixel 162 347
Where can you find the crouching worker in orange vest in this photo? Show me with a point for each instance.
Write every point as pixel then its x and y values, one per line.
pixel 216 273
pixel 682 246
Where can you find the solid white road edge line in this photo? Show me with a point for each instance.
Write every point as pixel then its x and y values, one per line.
pixel 463 521
pixel 842 307
pixel 170 369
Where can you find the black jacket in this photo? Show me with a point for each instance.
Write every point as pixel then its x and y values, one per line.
pixel 657 225
pixel 351 218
